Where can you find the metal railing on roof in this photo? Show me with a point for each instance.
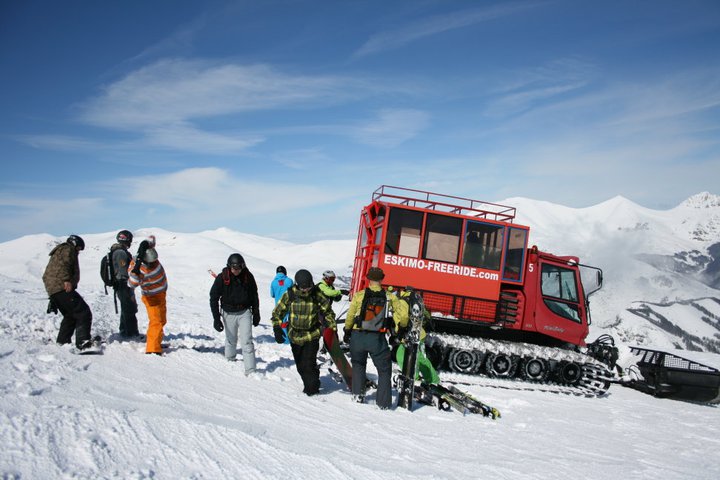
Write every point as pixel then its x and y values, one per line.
pixel 444 203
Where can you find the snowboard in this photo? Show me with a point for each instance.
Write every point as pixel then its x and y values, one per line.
pixel 97 347
pixel 406 378
pixel 332 344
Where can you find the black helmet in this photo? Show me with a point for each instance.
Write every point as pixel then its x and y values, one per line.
pixel 76 241
pixel 124 236
pixel 236 260
pixel 303 279
pixel 281 269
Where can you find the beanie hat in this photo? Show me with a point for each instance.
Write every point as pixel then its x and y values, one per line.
pixel 376 274
pixel 303 279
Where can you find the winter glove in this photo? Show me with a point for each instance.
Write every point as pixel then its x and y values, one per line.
pixel 52 308
pixel 256 317
pixel 136 268
pixel 337 298
pixel 344 291
pixel 346 336
pixel 140 257
pixel 279 334
pixel 218 324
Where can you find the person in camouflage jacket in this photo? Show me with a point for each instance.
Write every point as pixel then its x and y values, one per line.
pixel 307 310
pixel 61 278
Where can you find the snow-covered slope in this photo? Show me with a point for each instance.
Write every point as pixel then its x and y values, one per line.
pixel 191 414
pixel 649 256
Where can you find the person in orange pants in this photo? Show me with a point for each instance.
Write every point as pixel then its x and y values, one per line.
pixel 147 272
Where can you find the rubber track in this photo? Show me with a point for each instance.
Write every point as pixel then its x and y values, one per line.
pixel 595 380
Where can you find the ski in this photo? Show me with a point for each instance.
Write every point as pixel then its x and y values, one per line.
pixel 476 406
pixel 406 378
pixel 453 398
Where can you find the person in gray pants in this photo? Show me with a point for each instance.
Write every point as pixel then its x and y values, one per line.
pixel 236 292
pixel 365 328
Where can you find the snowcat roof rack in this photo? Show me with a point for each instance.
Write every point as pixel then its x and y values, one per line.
pixel 445 203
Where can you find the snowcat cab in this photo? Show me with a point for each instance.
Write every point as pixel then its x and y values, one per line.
pixel 487 291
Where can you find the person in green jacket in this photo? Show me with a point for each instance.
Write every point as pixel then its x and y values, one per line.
pixel 365 329
pixel 306 309
pixel 328 289
pixel 424 368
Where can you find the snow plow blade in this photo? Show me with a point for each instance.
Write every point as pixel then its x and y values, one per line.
pixel 665 375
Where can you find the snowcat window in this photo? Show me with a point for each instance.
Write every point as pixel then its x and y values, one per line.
pixel 442 238
pixel 559 283
pixel 483 245
pixel 403 232
pixel 515 254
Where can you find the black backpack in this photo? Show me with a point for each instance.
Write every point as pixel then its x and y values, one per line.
pixel 107 271
pixel 373 313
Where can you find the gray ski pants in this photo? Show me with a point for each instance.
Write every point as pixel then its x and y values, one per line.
pixel 240 324
pixel 374 344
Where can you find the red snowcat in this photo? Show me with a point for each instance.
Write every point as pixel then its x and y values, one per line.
pixel 499 307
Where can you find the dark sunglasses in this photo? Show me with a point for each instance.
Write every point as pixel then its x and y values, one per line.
pixel 306 289
pixel 236 267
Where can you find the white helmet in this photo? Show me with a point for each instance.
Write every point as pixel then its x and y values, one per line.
pixel 328 274
pixel 150 255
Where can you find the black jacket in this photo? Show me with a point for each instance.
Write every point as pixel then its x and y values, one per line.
pixel 233 293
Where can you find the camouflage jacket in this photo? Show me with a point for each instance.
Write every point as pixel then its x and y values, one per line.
pixel 62 267
pixel 306 314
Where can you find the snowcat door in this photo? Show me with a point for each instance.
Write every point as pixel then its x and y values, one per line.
pixel 560 312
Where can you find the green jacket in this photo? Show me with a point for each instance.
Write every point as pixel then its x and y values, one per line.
pixel 329 291
pixel 399 309
pixel 306 312
pixel 62 267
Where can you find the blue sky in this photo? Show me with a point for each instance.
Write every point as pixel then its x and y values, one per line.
pixel 280 118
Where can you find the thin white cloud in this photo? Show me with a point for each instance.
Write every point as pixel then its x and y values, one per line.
pixel 177 91
pixel 26 215
pixel 59 142
pixel 391 127
pixel 520 90
pixel 189 139
pixel 214 193
pixel 434 25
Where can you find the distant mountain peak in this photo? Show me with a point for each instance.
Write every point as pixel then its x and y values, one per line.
pixel 702 200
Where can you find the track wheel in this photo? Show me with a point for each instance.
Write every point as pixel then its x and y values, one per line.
pixel 464 361
pixel 570 373
pixel 535 369
pixel 434 353
pixel 501 365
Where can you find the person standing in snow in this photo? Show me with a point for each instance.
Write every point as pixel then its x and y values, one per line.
pixel 365 329
pixel 61 278
pixel 304 306
pixel 425 368
pixel 121 259
pixel 328 289
pixel 235 291
pixel 280 284
pixel 146 272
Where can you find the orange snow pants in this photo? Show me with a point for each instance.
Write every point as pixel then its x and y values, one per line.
pixel 157 318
